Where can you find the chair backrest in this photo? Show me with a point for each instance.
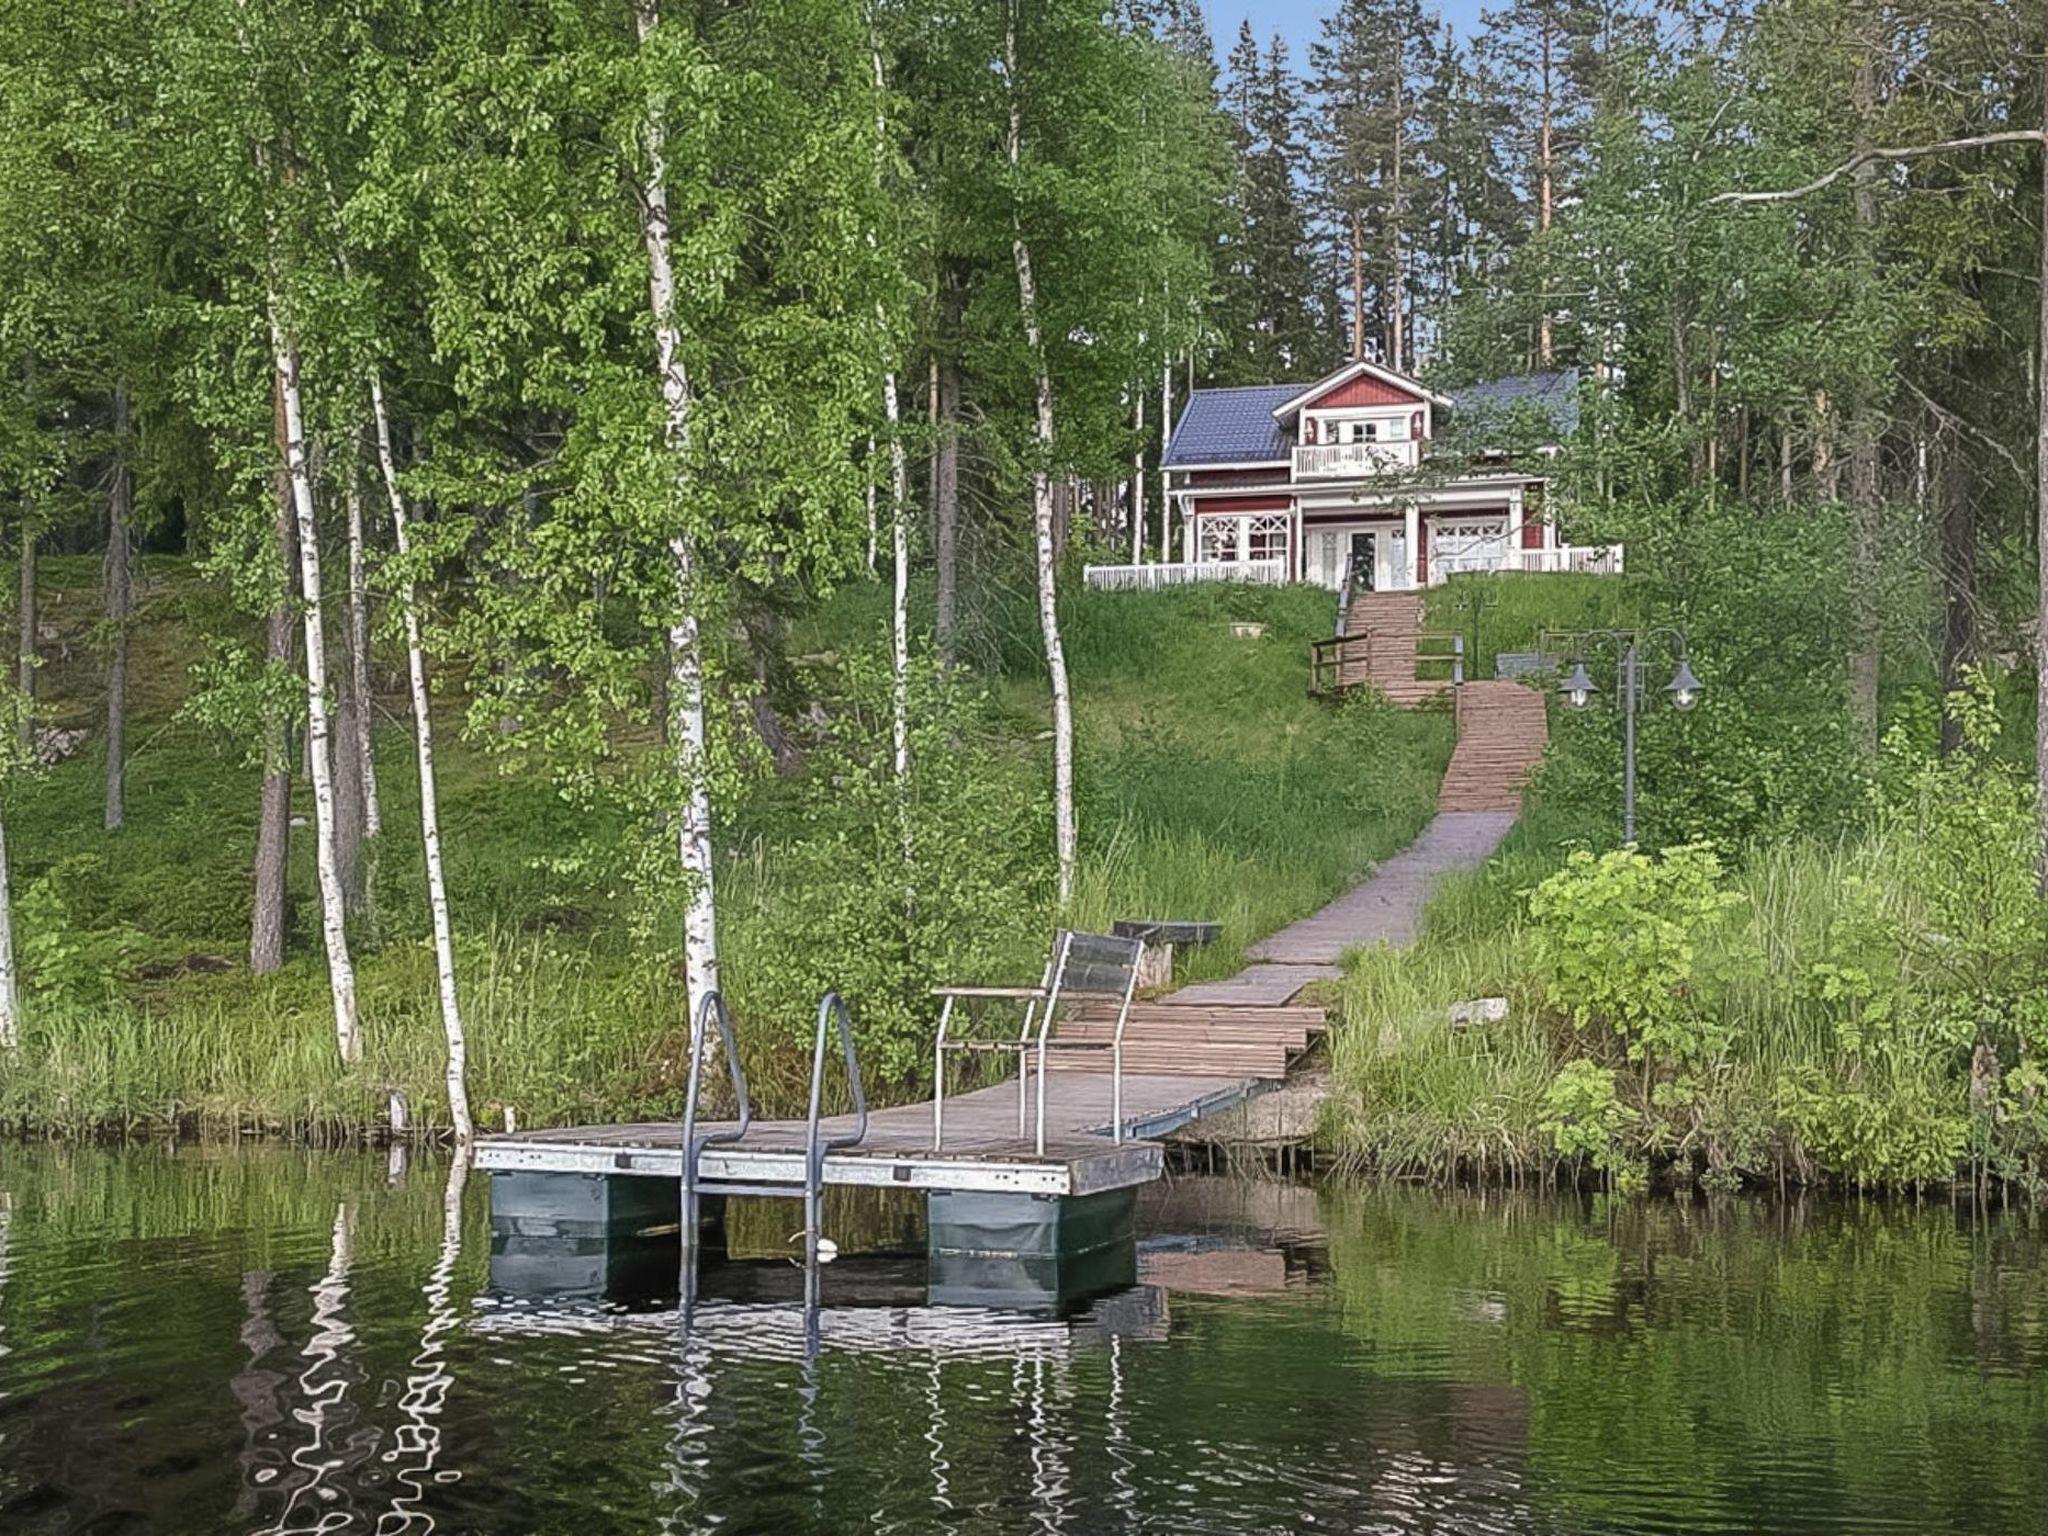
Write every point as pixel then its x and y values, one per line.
pixel 1094 964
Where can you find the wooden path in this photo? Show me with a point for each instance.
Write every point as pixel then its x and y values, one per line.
pixel 1502 731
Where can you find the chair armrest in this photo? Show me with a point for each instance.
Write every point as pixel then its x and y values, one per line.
pixel 1021 992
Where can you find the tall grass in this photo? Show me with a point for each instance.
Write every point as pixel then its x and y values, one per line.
pixel 1417 1095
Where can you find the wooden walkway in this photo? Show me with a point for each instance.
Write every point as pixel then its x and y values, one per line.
pixel 1502 731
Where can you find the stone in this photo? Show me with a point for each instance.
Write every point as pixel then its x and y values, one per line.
pixel 1478 1010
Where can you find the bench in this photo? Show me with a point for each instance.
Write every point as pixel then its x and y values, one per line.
pixel 1084 969
pixel 1511 665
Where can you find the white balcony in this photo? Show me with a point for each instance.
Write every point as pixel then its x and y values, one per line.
pixel 1327 461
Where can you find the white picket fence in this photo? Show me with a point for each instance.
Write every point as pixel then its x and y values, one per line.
pixel 1153 578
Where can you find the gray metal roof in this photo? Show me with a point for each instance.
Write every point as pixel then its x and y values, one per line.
pixel 1556 394
pixel 1232 426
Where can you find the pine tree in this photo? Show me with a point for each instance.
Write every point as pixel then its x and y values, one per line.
pixel 1369 64
pixel 1272 323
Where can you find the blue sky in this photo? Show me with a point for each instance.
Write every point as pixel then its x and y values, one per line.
pixel 1299 20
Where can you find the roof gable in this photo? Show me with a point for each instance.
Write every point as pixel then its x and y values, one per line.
pixel 1360 383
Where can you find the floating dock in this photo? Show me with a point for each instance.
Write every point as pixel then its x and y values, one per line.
pixel 986 1150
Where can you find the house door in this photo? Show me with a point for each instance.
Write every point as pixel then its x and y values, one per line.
pixel 1365 570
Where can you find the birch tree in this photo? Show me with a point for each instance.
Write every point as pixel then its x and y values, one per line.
pixel 341 977
pixel 457 1059
pixel 1065 838
pixel 689 733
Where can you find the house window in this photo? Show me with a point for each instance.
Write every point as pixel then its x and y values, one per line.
pixel 1229 540
pixel 1219 539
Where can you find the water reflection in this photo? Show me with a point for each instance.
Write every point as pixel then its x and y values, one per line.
pixel 416 1448
pixel 283 1342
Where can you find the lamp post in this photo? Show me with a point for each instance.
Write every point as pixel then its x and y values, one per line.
pixel 1579 692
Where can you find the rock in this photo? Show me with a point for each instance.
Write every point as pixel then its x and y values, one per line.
pixel 1242 630
pixel 1478 1010
pixel 53 743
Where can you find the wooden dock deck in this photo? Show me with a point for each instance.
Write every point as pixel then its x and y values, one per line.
pixel 984 1151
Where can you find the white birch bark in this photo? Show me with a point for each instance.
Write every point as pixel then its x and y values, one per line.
pixel 359 655
pixel 686 660
pixel 899 497
pixel 10 987
pixel 1138 487
pixel 457 1062
pixel 341 976
pixel 1064 837
pixel 1165 439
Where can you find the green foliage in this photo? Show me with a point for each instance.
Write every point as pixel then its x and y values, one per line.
pixel 1584 1117
pixel 1618 943
pixel 848 911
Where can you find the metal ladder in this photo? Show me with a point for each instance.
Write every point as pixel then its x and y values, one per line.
pixel 817 1145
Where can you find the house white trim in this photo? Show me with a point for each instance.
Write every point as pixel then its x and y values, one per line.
pixel 1358 370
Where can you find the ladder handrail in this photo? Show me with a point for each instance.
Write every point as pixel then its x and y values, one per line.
pixel 832 1009
pixel 712 1006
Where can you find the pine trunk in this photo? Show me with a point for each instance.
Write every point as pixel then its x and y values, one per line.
pixel 120 606
pixel 269 912
pixel 1065 840
pixel 686 662
pixel 456 1075
pixel 10 989
pixel 25 651
pixel 946 511
pixel 341 977
pixel 1958 580
pixel 1865 427
pixel 2041 515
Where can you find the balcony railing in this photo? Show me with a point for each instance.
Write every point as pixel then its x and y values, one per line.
pixel 1329 460
pixel 1593 559
pixel 1151 578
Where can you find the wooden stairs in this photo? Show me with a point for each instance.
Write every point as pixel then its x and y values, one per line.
pixel 1201 1040
pixel 1393 620
pixel 1502 726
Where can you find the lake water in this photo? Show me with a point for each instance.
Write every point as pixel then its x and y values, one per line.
pixel 248 1341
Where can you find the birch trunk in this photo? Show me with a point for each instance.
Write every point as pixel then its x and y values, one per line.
pixel 341 976
pixel 1545 348
pixel 10 989
pixel 899 501
pixel 1041 502
pixel 361 741
pixel 269 912
pixel 456 1074
pixel 686 659
pixel 1138 487
pixel 120 605
pixel 1165 441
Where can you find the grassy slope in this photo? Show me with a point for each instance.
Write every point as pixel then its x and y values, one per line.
pixel 1211 787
